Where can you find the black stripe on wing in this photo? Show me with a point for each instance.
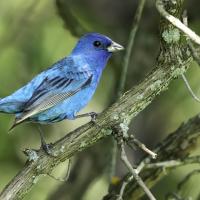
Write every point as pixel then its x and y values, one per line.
pixel 64 83
pixel 52 100
pixel 47 85
pixel 57 81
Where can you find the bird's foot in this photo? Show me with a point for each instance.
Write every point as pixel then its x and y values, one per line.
pixel 47 148
pixel 93 116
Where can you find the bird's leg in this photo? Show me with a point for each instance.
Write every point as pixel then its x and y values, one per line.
pixel 46 147
pixel 93 116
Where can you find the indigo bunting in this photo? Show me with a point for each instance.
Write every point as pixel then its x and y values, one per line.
pixel 63 89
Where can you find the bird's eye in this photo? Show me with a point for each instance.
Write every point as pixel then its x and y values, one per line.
pixel 97 43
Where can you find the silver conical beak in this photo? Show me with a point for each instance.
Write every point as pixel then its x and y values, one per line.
pixel 115 47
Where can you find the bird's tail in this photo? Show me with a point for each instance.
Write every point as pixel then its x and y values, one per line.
pixel 16 122
pixel 2 107
pixel 10 106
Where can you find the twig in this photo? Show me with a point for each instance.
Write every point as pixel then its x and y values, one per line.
pixel 174 163
pixel 189 88
pixel 123 187
pixel 168 163
pixel 135 173
pixel 164 164
pixel 129 47
pixel 142 146
pixel 176 22
pixel 65 179
pixel 122 138
pixel 130 139
pixel 56 178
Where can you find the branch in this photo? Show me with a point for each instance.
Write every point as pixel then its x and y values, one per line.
pixel 176 22
pixel 174 163
pixel 193 95
pixel 135 175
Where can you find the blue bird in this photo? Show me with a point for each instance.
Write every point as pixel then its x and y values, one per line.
pixel 63 89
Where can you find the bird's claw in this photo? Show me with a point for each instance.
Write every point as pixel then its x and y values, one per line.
pixel 47 148
pixel 93 116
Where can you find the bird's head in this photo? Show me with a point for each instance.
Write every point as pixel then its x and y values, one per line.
pixel 96 47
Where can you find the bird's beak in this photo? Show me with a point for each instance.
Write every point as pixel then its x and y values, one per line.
pixel 115 47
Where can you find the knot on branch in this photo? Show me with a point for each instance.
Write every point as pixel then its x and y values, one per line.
pixel 31 154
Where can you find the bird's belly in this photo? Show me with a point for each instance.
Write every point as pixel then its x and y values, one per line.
pixel 66 109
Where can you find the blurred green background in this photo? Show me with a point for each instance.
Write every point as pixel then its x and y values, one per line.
pixel 33 36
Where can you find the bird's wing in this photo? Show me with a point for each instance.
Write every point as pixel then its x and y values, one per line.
pixel 53 91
